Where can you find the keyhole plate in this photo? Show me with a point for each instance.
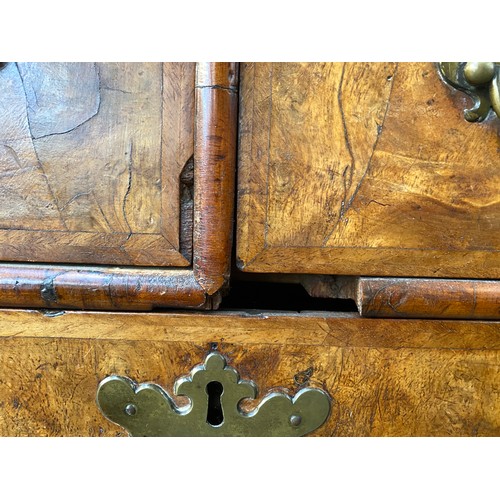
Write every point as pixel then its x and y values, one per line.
pixel 215 392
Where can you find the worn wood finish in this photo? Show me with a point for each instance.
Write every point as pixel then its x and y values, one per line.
pixel 101 288
pixel 215 156
pixel 90 158
pixel 367 169
pixel 386 377
pixel 177 149
pixel 211 170
pixel 408 297
pixel 426 298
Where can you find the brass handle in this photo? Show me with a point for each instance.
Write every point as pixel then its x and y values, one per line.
pixel 479 80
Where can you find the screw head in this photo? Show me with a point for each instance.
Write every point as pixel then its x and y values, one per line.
pixel 295 420
pixel 130 409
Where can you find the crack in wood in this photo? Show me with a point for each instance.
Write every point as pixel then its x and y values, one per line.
pixel 76 127
pixel 345 206
pixel 186 209
pixel 129 187
pixel 39 163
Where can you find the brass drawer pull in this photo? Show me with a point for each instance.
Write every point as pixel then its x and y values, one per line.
pixel 479 80
pixel 215 391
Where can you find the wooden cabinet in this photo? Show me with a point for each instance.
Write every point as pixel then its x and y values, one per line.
pixel 356 181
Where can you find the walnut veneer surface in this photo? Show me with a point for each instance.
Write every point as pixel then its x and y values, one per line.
pixel 117 184
pixel 385 377
pixel 364 169
pixel 91 155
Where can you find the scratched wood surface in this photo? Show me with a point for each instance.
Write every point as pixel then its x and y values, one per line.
pixel 91 156
pixel 215 157
pixel 427 298
pixel 365 169
pixel 385 377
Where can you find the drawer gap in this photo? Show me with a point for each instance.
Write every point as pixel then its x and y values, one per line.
pixel 280 296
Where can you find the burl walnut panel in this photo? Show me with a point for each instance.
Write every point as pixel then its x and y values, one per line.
pixel 385 377
pixel 91 156
pixel 364 168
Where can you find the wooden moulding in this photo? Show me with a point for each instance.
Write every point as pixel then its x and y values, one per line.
pixel 425 298
pixel 215 158
pixel 142 288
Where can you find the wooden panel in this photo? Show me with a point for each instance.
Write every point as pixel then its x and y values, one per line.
pixel 207 200
pixel 90 159
pixel 364 168
pixel 386 377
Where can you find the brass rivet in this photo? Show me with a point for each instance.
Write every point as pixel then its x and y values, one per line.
pixel 295 420
pixel 130 409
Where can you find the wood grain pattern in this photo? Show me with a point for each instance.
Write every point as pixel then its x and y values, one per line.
pixel 92 154
pixel 101 288
pixel 177 142
pixel 364 168
pixel 386 377
pixel 209 216
pixel 215 158
pixel 424 298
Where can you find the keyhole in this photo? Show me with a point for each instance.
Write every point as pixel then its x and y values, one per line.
pixel 214 413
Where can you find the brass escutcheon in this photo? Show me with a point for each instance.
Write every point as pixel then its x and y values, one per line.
pixel 215 392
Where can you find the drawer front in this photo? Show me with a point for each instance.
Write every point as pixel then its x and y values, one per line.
pixel 365 168
pixel 92 156
pixel 118 178
pixel 384 377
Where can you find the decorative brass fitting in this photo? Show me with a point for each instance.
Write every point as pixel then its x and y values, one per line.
pixel 479 80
